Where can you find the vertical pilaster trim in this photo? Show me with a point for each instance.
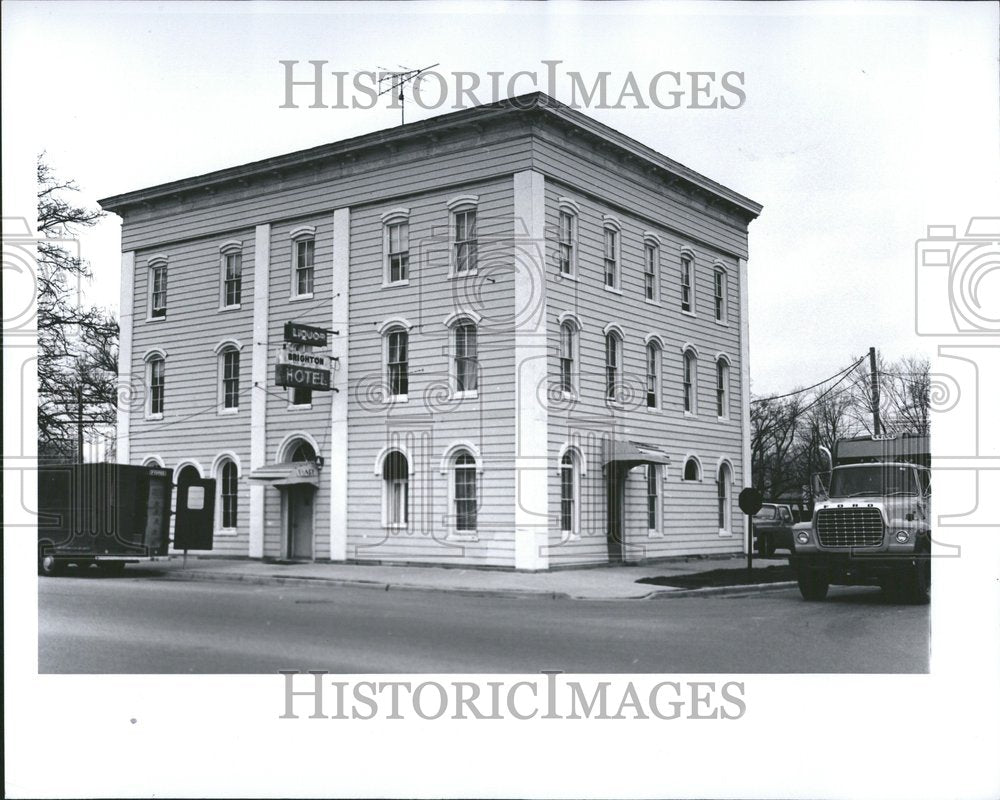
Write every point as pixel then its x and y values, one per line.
pixel 258 379
pixel 339 321
pixel 531 436
pixel 126 394
pixel 745 389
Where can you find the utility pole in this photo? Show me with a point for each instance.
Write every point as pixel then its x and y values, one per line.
pixel 875 397
pixel 79 423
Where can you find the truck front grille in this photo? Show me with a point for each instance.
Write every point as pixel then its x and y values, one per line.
pixel 849 527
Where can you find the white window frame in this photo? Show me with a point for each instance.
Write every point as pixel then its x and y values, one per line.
pixel 612 225
pixel 570 322
pixel 453 322
pixel 651 242
pixel 617 398
pixel 460 205
pixel 721 317
pixel 153 265
pixel 723 371
pixel 386 492
pixel 302 234
pixel 387 328
pixel 293 406
pixel 687 256
pixel 653 342
pixel 396 216
pixel 689 354
pixel 218 465
pixel 691 457
pixel 232 249
pixel 148 360
pixel 658 482
pixel 579 469
pixel 221 349
pixel 727 510
pixel 571 210
pixel 449 467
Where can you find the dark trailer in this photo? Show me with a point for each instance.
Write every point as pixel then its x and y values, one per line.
pixel 112 514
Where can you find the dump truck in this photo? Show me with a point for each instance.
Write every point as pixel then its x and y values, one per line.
pixel 872 524
pixel 114 514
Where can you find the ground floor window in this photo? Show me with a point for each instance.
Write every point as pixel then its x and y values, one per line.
pixel 652 498
pixel 569 483
pixel 396 489
pixel 724 489
pixel 465 493
pixel 228 494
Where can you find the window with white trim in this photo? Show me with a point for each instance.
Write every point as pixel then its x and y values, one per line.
pixel 722 388
pixel 652 498
pixel 229 369
pixel 466 364
pixel 156 371
pixel 232 278
pixel 612 257
pixel 613 366
pixel 719 285
pixel 653 352
pixel 690 382
pixel 567 356
pixel 567 241
pixel 651 271
pixel 569 494
pixel 228 494
pixel 397 250
pixel 724 491
pixel 687 283
pixel 466 243
pixel 305 267
pixel 299 396
pixel 158 289
pixel 692 470
pixel 464 492
pixel 395 490
pixel 397 361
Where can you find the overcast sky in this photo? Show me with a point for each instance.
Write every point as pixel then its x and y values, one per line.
pixel 861 124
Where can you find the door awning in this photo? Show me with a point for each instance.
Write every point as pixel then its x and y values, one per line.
pixel 631 454
pixel 287 474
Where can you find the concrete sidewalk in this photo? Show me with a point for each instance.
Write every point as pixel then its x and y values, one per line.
pixel 596 583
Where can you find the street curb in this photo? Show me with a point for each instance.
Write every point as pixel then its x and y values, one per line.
pixel 664 593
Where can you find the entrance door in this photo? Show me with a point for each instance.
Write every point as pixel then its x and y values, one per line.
pixel 616 530
pixel 300 521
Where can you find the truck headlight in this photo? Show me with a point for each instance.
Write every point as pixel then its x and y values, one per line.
pixel 902 537
pixel 802 537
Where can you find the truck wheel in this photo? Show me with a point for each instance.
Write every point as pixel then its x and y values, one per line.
pixel 918 580
pixel 813 584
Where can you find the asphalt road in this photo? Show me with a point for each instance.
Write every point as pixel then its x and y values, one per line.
pixel 148 625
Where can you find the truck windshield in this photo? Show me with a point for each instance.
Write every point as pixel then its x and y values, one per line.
pixel 874 480
pixel 766 512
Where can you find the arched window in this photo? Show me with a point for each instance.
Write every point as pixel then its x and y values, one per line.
pixel 652 375
pixel 724 489
pixel 397 362
pixel 567 239
pixel 690 382
pixel 613 365
pixel 692 470
pixel 303 261
pixel 687 283
pixel 229 375
pixel 569 494
pixel 232 274
pixel 722 388
pixel 466 357
pixel 567 356
pixel 464 238
pixel 651 268
pixel 396 246
pixel 158 287
pixel 464 492
pixel 156 376
pixel 228 495
pixel 395 490
pixel 187 474
pixel 719 294
pixel 653 498
pixel 301 451
pixel 612 253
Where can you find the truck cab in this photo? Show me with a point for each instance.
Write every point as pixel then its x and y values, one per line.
pixel 873 526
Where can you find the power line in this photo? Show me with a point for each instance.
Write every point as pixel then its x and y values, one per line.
pixel 808 388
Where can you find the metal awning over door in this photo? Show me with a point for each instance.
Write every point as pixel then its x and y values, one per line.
pixel 287 474
pixel 619 452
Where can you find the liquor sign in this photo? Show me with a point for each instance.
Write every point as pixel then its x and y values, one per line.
pixel 309 335
pixel 296 356
pixel 300 377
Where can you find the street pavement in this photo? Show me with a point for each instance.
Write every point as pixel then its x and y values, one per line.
pixel 152 623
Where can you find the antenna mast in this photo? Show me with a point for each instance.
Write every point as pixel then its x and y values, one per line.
pixel 398 80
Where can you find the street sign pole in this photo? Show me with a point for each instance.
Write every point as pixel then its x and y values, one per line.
pixel 751 501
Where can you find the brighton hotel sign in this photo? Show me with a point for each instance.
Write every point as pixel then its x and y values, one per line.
pixel 299 365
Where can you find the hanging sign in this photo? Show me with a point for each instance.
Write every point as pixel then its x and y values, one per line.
pixel 297 333
pixel 294 376
pixel 296 356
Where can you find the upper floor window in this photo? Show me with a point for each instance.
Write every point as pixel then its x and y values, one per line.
pixel 466 357
pixel 397 362
pixel 690 381
pixel 567 356
pixel 232 274
pixel 651 269
pixel 720 294
pixel 464 238
pixel 156 372
pixel 158 288
pixel 303 261
pixel 722 388
pixel 612 254
pixel 567 237
pixel 687 283
pixel 300 397
pixel 230 375
pixel 613 365
pixel 653 375
pixel 396 246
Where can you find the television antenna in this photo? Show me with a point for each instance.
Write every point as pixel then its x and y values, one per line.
pixel 398 80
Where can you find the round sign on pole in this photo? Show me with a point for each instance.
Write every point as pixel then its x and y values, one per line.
pixel 751 500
